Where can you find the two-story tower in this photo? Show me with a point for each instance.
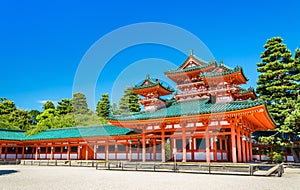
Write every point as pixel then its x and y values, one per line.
pixel 152 89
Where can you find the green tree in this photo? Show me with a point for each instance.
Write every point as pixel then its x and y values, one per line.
pixel 103 106
pixel 114 110
pixel 20 119
pixel 33 114
pixel 11 117
pixel 48 113
pixel 7 106
pixel 278 85
pixel 129 102
pixel 48 105
pixel 79 103
pixel 64 106
pixel 274 83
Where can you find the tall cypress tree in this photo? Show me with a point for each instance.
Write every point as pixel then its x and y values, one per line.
pixel 129 102
pixel 278 85
pixel 103 106
pixel 79 103
pixel 275 84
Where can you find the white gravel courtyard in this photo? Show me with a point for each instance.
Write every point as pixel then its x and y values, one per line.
pixel 44 178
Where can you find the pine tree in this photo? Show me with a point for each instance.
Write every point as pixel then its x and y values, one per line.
pixel 64 106
pixel 103 106
pixel 79 103
pixel 114 110
pixel 48 105
pixel 129 102
pixel 278 85
pixel 274 83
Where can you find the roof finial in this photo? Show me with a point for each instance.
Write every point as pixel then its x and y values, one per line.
pixel 221 62
pixel 147 76
pixel 191 52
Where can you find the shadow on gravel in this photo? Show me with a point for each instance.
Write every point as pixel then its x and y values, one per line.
pixel 7 172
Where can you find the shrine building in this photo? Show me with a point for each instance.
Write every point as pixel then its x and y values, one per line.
pixel 208 118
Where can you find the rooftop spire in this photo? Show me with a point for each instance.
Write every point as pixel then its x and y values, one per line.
pixel 147 76
pixel 191 52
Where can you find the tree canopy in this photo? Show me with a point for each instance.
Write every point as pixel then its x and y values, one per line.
pixel 103 106
pixel 129 102
pixel 278 84
pixel 79 103
pixel 48 105
pixel 275 84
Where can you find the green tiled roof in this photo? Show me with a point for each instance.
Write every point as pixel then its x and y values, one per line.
pixel 214 74
pixel 189 68
pixel 8 134
pixel 244 90
pixel 69 132
pixel 195 107
pixel 152 82
pixel 227 68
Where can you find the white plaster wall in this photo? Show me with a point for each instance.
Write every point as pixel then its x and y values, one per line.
pixel 224 155
pixel 101 156
pixel 56 156
pixel 179 156
pixel 64 156
pixel 211 155
pixel 111 156
pixel 134 156
pixel 219 156
pixel 121 156
pixel 188 156
pixel 148 156
pixel 73 156
pixel 290 158
pixel 42 156
pixel 263 157
pixel 200 156
pixel 158 156
pixel 255 157
pixel 11 156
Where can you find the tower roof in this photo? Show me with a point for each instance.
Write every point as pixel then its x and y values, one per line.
pixel 152 85
pixel 225 73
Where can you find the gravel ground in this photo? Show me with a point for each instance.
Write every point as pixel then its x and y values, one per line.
pixel 44 177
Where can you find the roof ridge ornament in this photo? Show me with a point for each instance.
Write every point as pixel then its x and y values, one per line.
pixel 147 76
pixel 191 52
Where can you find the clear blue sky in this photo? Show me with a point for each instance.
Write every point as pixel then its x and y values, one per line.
pixel 43 42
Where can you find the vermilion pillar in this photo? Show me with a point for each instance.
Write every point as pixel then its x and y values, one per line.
pixel 36 152
pixel 51 154
pixel 144 147
pixel 163 150
pixel 238 141
pixel 233 144
pixel 154 149
pixel 23 150
pixel 183 144
pixel 68 152
pixel 244 149
pixel 207 144
pixel 106 151
pixel 247 148
pixel 250 150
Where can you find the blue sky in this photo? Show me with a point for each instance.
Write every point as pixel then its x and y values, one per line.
pixel 43 42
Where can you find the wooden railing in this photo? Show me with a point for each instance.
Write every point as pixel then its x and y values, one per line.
pixel 204 168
